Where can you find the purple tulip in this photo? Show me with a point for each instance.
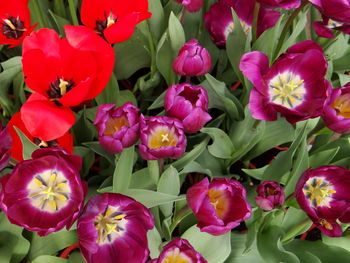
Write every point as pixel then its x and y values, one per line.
pixel 219 206
pixel 191 5
pixel 336 110
pixel 323 193
pixel 5 146
pixel 189 104
pixel 161 137
pixel 192 60
pixel 270 195
pixel 339 10
pixel 325 27
pixel 179 250
pixel 284 4
pixel 45 193
pixel 113 228
pixel 294 85
pixel 117 128
pixel 219 21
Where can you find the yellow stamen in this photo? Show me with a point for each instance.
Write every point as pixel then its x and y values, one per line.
pixel 110 20
pixel 9 23
pixel 63 86
pixel 43 144
pixel 165 137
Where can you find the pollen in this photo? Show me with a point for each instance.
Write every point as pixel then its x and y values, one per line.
pixel 110 225
pixel 49 191
pixel 219 202
pixel 162 136
pixel 287 89
pixel 318 191
pixel 176 256
pixel 342 105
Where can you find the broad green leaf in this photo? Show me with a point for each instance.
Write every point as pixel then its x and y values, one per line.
pixel 83 129
pixel 13 246
pixel 156 22
pixel 169 183
pixel 176 34
pixel 154 242
pixel 165 58
pixel 96 147
pixel 343 242
pixel 123 170
pixel 125 96
pixel 222 146
pixel 110 94
pixel 88 157
pixel 323 158
pixel 215 249
pixel 52 243
pixel 190 156
pixel 28 145
pixel 49 259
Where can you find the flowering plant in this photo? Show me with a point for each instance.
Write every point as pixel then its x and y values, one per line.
pixel 174 131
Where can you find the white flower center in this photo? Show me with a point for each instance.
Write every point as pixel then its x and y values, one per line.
pixel 318 191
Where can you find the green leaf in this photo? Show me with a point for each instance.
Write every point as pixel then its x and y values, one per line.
pixel 169 183
pixel 83 129
pixel 231 104
pixel 96 147
pixel 270 247
pixel 131 55
pixel 88 157
pixel 126 96
pixel 323 158
pixel 222 146
pixel 343 242
pixel 110 94
pixel 176 34
pixel 190 156
pixel 153 170
pixel 52 243
pixel 13 246
pixel 28 145
pixel 49 259
pixel 59 21
pixel 215 249
pixel 123 170
pixel 156 22
pixel 154 242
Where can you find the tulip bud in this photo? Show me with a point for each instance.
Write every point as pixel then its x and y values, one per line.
pixel 117 128
pixel 270 195
pixel 189 104
pixel 192 60
pixel 161 137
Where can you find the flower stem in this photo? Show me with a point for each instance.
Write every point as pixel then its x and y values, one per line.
pixel 184 212
pixel 73 13
pixel 287 25
pixel 68 250
pixel 255 21
pixel 182 19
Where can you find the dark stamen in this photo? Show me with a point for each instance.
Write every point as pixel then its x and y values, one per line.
pixel 12 27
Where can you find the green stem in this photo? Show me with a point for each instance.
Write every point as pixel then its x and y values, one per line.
pixel 73 13
pixel 152 50
pixel 184 212
pixel 182 19
pixel 255 22
pixel 287 25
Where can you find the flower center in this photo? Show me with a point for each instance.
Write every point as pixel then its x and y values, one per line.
pixel 270 191
pixel 45 144
pixel 59 88
pixel 287 89
pixel 342 105
pixel 49 191
pixel 219 202
pixel 110 224
pixel 115 124
pixel 162 136
pixel 175 256
pixel 230 27
pixel 191 95
pixel 12 27
pixel 101 25
pixel 333 24
pixel 318 191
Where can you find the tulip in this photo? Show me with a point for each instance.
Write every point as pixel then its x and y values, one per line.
pixel 115 21
pixel 65 142
pixel 284 4
pixel 219 22
pixel 294 85
pixel 63 73
pixel 338 10
pixel 179 250
pixel 191 5
pixel 323 193
pixel 270 195
pixel 45 193
pixel 117 128
pixel 15 22
pixel 161 137
pixel 113 228
pixel 189 104
pixel 326 27
pixel 192 60
pixel 336 110
pixel 5 146
pixel 219 206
